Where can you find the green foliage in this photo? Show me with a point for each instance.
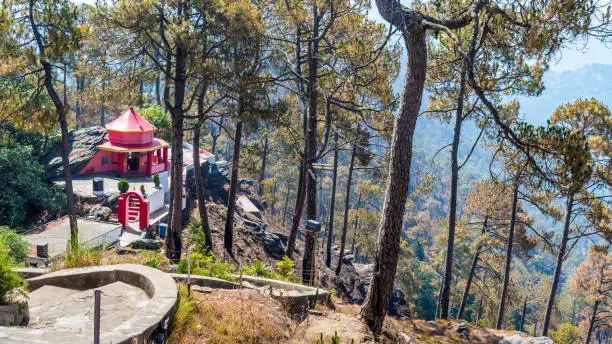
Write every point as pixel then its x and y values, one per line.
pixel 207 265
pixel 76 257
pixel 286 269
pixel 123 186
pixel 184 312
pixel 197 237
pixel 25 193
pixel 482 323
pixel 566 334
pixel 18 248
pixel 9 280
pixel 156 180
pixel 257 268
pixel 156 115
pixel 332 340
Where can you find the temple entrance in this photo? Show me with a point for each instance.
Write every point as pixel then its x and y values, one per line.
pixel 131 207
pixel 133 161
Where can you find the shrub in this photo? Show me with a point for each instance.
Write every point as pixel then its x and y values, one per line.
pixel 197 237
pixel 76 257
pixel 482 323
pixel 17 247
pixel 9 279
pixel 286 269
pixel 207 265
pixel 123 186
pixel 156 180
pixel 566 334
pixel 257 268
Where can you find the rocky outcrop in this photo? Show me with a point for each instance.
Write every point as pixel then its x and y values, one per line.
pixel 353 283
pixel 82 144
pixel 99 212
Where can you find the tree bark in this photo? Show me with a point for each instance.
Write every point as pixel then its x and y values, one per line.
pixel 452 213
pixel 200 188
pixel 504 294
pixel 332 205
pixel 468 284
pixel 355 227
pixel 388 242
pixel 311 127
pixel 286 203
pixel 592 322
pixel 262 171
pixel 173 239
pixel 560 257
pixel 215 137
pixel 523 315
pixel 228 238
pixel 347 200
pixel 62 113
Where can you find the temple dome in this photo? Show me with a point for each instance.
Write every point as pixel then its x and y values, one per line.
pixel 130 129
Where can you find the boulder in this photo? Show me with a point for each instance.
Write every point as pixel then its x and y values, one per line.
pixel 146 244
pixel 111 200
pixel 516 339
pixel 272 244
pixel 540 340
pixel 403 338
pixel 99 212
pixel 245 206
pixel 461 329
pixel 398 306
pixel 82 144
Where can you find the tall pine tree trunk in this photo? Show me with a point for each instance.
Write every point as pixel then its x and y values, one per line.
pixel 297 212
pixel 504 294
pixel 389 231
pixel 355 227
pixel 347 200
pixel 560 258
pixel 228 238
pixel 468 283
pixel 62 114
pixel 452 213
pixel 523 315
pixel 332 205
pixel 200 187
pixel 262 171
pixel 173 239
pixel 592 322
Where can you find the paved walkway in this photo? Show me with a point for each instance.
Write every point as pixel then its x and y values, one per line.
pixel 83 185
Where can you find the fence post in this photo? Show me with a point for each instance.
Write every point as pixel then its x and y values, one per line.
pixel 188 272
pixel 97 316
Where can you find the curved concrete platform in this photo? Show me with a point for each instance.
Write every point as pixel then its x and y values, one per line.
pixel 136 301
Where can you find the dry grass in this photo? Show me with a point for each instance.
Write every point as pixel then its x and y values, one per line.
pixel 76 259
pixel 229 316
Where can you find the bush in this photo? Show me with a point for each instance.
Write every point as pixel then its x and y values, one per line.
pixel 197 237
pixel 25 193
pixel 566 334
pixel 286 269
pixel 257 268
pixel 123 186
pixel 78 257
pixel 156 180
pixel 207 265
pixel 17 247
pixel 9 279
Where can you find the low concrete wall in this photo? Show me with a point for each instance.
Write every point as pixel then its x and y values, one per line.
pixel 26 273
pixel 159 287
pixel 296 298
pixel 203 281
pixel 156 200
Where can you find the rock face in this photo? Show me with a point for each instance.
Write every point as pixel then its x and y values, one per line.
pixel 353 283
pixel 82 144
pixel 517 339
pixel 246 207
pixel 147 244
pixel 100 212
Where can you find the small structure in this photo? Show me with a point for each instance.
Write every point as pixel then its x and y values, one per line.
pixel 132 206
pixel 130 148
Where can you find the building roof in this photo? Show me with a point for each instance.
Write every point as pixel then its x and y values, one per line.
pixel 130 121
pixel 151 146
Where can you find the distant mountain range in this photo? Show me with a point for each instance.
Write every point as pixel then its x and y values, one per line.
pixel 590 81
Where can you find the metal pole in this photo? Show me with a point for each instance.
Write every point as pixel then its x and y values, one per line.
pixel 97 316
pixel 188 272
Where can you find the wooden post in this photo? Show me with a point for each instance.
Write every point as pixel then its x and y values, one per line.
pixel 97 316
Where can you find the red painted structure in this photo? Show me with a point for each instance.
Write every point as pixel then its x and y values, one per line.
pixel 132 206
pixel 130 147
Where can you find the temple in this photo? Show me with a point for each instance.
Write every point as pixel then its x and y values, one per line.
pixel 130 148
